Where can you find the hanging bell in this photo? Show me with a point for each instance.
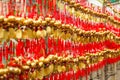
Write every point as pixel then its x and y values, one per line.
pixel 2 18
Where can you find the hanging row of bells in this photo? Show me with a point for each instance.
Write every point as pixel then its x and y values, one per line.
pixel 30 29
pixel 54 64
pixel 114 10
pixel 87 14
pixel 21 28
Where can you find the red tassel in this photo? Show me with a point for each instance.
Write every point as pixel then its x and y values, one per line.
pixel 1 55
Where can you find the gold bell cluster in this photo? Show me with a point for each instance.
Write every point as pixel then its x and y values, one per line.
pixel 44 67
pixel 58 47
pixel 21 28
pixel 75 9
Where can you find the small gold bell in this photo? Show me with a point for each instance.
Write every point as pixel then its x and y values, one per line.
pixel 25 67
pixel 47 60
pixel 10 69
pixel 17 71
pixel 1 18
pixel 41 59
pixel 38 34
pixel 51 68
pixel 35 23
pixel 27 21
pixel 72 2
pixel 63 68
pixel 11 18
pixel 28 62
pixel 1 32
pixel 47 19
pixel 5 20
pixel 25 34
pixel 1 71
pixel 44 23
pixel 20 20
pixel 82 65
pixel 12 33
pixel 58 23
pixel 59 68
pixel 44 33
pixel 48 30
pixel 18 34
pixel 5 70
pixel 33 64
pixel 40 64
pixel 75 67
pixel 77 5
pixel 52 21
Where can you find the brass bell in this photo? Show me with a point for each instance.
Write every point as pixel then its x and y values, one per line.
pixel 63 68
pixel 18 34
pixel 36 61
pixel 41 59
pixel 44 23
pixel 59 68
pixel 43 33
pixel 2 33
pixel 5 20
pixel 36 23
pixel 47 60
pixel 10 69
pixel 52 21
pixel 17 71
pixel 47 19
pixel 33 64
pixel 51 68
pixel 38 34
pixel 28 62
pixel 25 67
pixel 77 5
pixel 58 23
pixel 19 20
pixel 2 18
pixel 5 70
pixel 82 65
pixel 72 2
pixel 75 67
pixel 28 21
pixel 48 29
pixel 1 71
pixel 11 18
pixel 40 64
pixel 51 57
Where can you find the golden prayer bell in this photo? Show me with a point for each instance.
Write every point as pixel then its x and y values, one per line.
pixel 28 62
pixel 46 60
pixel 1 18
pixel 19 20
pixel 33 64
pixel 11 18
pixel 39 33
pixel 28 21
pixel 58 23
pixel 72 2
pixel 44 23
pixel 40 64
pixel 25 67
pixel 52 21
pixel 1 33
pixel 2 71
pixel 18 34
pixel 17 71
pixel 48 30
pixel 37 23
pixel 47 19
